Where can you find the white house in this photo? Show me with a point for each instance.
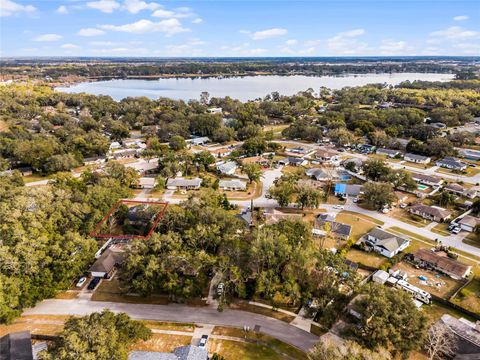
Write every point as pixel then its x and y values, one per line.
pixel 227 168
pixel 469 223
pixel 418 159
pixel 385 243
pixel 452 164
pixel 184 184
pixel 232 185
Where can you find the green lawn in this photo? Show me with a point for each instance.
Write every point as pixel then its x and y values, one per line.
pixel 441 229
pixel 472 239
pixel 469 297
pixel 232 350
pixel 362 216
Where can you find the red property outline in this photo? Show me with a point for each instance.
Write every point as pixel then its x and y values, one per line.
pixel 159 216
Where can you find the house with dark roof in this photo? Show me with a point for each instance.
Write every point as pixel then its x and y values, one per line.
pixel 325 223
pixel 429 180
pixel 469 223
pixel 442 263
pixel 105 265
pixel 16 346
pixel 357 163
pixel 454 188
pixel 326 156
pixel 467 337
pixel 418 159
pixel 452 164
pixel 432 213
pixel 470 154
pixel 385 243
pixel 294 161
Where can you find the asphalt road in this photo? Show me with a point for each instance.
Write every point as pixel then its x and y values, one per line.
pixel 182 313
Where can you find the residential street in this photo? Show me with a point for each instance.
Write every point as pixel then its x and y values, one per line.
pixel 182 313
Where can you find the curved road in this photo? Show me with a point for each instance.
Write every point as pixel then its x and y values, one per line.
pixel 182 313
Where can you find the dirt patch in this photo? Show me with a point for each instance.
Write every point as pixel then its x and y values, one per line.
pixel 436 283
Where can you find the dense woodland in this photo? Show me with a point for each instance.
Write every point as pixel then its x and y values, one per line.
pixel 95 68
pixel 52 131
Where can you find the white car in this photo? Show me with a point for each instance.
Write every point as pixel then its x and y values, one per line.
pixel 339 207
pixel 456 230
pixel 220 288
pixel 81 282
pixel 203 341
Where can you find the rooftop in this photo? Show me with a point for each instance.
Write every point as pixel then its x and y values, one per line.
pixel 442 262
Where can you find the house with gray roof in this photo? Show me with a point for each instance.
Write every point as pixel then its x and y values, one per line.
pixel 232 185
pixel 467 337
pixel 16 346
pixel 202 140
pixel 418 159
pixel 454 188
pixel 452 164
pixel 429 180
pixel 321 174
pixel 184 184
pixel 385 243
pixel 105 265
pixel 325 223
pixel 188 352
pixel 227 168
pixel 469 223
pixel 433 213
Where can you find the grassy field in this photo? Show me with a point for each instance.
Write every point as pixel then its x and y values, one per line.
pixel 472 239
pixel 36 324
pixel 162 343
pixel 470 171
pixel 232 350
pixel 32 178
pixel 361 216
pixel 278 347
pixel 254 190
pixel 469 297
pixel 441 229
pixel 241 305
pixel 111 291
pixel 360 225
pixel 165 325
pixel 369 259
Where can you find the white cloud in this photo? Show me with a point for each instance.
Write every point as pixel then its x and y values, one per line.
pixel 179 13
pixel 468 48
pixel 106 6
pixel 168 27
pixel 62 9
pixel 70 46
pixel 455 33
pixel 346 43
pixel 391 47
pixel 460 18
pixel 8 8
pixel 47 37
pixel 268 33
pixel 135 6
pixel 291 42
pixel 162 13
pixel 197 21
pixel 120 51
pixel 102 43
pixel 90 32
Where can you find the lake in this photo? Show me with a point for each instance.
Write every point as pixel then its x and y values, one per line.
pixel 242 88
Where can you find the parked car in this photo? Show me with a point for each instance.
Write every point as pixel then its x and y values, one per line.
pixel 456 230
pixel 339 207
pixel 81 282
pixel 220 289
pixel 355 200
pixel 203 341
pixel 403 205
pixel 93 284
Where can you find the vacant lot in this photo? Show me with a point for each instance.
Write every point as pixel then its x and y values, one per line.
pixel 241 305
pixel 269 343
pixel 36 324
pixel 162 343
pixel 360 224
pixel 469 297
pixel 369 259
pixel 111 291
pixel 437 284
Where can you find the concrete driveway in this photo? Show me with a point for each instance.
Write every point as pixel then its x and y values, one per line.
pixel 182 313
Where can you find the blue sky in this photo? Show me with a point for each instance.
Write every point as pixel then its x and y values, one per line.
pixel 238 28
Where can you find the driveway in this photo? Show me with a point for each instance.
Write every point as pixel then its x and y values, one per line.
pixel 182 313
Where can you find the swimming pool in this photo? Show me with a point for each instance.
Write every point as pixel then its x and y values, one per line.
pixel 422 187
